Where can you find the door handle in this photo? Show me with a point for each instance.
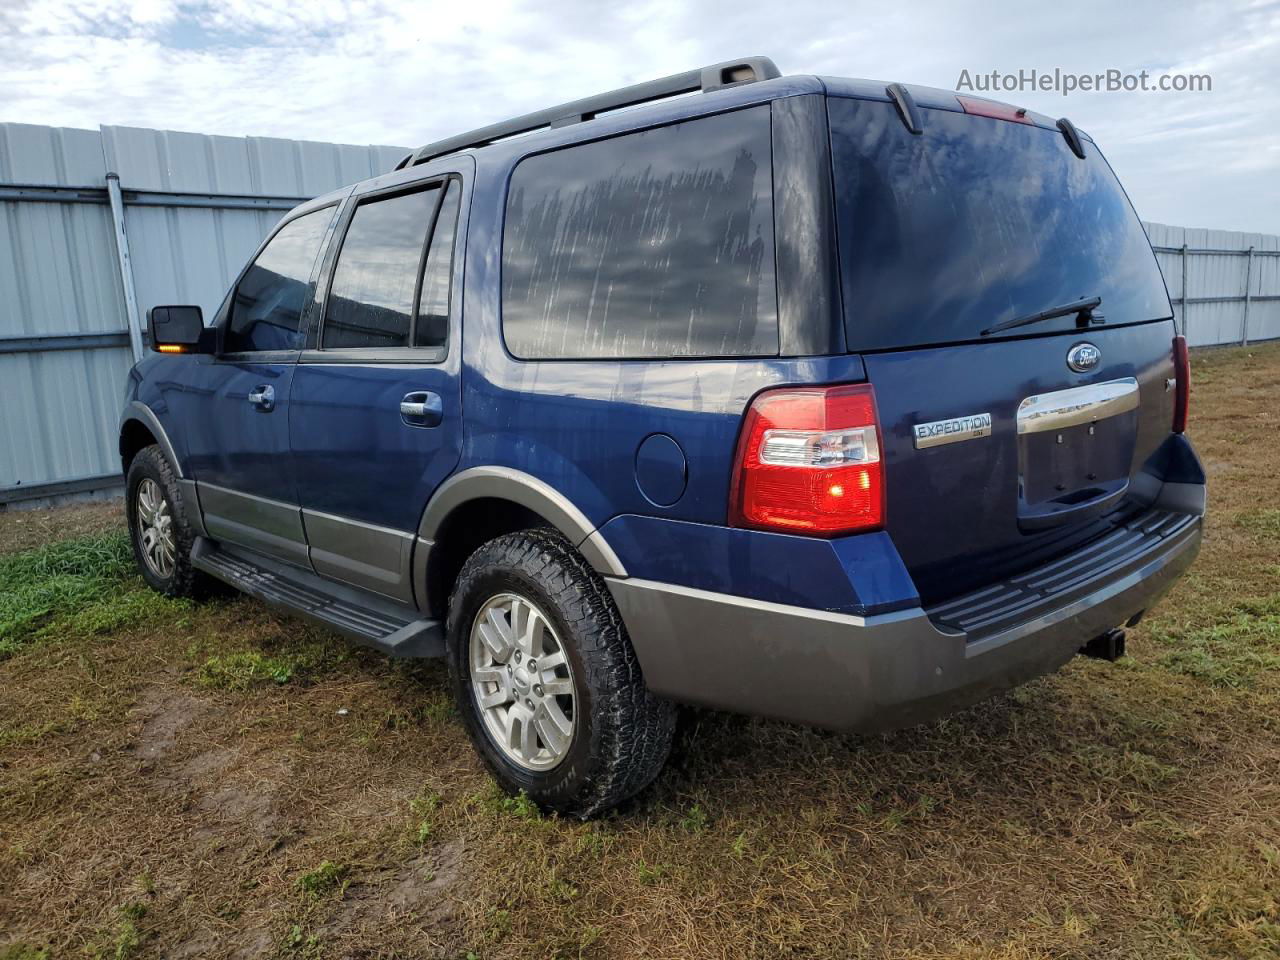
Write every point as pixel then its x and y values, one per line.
pixel 263 397
pixel 422 408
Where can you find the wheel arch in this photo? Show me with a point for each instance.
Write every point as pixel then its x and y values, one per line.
pixel 139 428
pixel 481 503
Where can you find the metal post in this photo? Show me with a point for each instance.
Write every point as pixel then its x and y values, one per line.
pixel 1184 289
pixel 1248 277
pixel 126 266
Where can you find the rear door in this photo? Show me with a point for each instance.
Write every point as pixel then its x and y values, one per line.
pixel 235 409
pixel 375 402
pixel 1002 447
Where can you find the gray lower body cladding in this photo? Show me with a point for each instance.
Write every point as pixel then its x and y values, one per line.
pixel 870 673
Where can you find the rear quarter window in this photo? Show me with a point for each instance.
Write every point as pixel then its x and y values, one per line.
pixel 653 244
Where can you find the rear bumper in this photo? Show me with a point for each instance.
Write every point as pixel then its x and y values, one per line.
pixel 878 672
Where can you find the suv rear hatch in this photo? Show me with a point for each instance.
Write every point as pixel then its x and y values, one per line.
pixel 978 222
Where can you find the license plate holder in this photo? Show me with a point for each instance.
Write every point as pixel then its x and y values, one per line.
pixel 1075 451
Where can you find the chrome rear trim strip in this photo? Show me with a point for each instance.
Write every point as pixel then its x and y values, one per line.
pixel 1069 408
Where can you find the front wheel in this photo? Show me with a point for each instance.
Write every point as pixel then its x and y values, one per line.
pixel 546 680
pixel 162 538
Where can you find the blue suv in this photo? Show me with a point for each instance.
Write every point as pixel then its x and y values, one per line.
pixel 811 398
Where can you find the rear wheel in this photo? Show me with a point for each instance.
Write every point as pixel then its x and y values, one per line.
pixel 546 680
pixel 158 527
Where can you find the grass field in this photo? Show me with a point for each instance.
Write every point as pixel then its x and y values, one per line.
pixel 219 781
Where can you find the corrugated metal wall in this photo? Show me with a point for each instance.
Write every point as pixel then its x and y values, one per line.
pixel 195 207
pixel 58 406
pixel 1218 268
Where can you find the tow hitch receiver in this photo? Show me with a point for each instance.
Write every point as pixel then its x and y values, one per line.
pixel 1107 646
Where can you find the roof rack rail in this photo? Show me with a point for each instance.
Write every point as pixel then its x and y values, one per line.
pixel 715 77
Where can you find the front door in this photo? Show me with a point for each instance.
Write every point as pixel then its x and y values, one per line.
pixel 237 405
pixel 375 420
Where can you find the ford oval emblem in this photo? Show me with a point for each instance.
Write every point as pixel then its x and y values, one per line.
pixel 1083 357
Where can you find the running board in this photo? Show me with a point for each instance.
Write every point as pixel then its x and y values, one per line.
pixel 368 619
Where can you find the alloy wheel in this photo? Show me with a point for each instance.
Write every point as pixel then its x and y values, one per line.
pixel 522 682
pixel 155 529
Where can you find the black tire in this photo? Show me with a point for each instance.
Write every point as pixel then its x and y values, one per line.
pixel 623 732
pixel 184 580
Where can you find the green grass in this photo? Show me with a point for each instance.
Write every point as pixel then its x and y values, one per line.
pixel 1232 652
pixel 1265 523
pixel 324 879
pixel 23 951
pixel 424 807
pixel 125 940
pixel 248 668
pixel 59 580
pixel 245 669
pixel 81 587
pixel 497 802
pixel 105 555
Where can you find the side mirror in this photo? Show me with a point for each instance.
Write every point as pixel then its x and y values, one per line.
pixel 180 330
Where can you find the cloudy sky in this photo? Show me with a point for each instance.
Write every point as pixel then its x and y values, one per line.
pixel 403 73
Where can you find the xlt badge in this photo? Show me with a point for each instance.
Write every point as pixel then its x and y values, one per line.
pixel 939 432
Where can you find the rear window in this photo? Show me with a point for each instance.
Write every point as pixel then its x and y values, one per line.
pixel 976 221
pixel 654 244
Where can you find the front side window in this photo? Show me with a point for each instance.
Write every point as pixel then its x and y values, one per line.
pixel 267 308
pixel 654 244
pixel 385 292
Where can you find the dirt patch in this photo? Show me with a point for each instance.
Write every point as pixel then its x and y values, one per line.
pixel 423 887
pixel 209 763
pixel 166 714
pixel 238 807
pixel 424 891
pixel 244 945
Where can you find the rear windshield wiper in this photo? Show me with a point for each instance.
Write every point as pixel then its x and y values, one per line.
pixel 1083 307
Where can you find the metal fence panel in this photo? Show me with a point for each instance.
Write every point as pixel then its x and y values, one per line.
pixel 57 270
pixel 59 416
pixel 58 284
pixel 1219 267
pixel 54 155
pixel 190 255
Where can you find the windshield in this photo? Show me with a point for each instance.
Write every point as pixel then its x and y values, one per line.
pixel 975 222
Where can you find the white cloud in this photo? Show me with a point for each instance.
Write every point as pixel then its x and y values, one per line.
pixel 386 71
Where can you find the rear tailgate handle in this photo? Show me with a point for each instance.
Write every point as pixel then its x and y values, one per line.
pixel 422 408
pixel 1077 405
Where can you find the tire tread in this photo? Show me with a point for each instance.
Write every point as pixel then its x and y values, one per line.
pixel 632 729
pixel 186 580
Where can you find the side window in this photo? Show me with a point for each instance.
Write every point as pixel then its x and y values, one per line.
pixel 432 329
pixel 654 244
pixel 269 299
pixel 376 299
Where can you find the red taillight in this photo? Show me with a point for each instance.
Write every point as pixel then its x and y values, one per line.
pixel 1181 383
pixel 809 462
